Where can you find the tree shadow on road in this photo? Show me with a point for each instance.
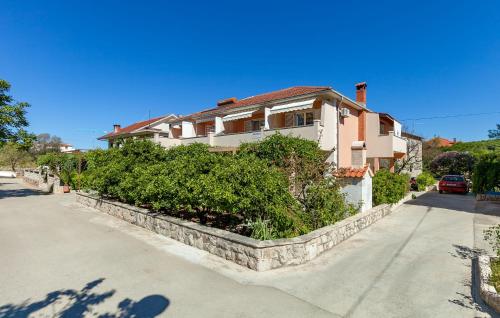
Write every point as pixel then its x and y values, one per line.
pixel 16 193
pixel 68 303
pixel 472 300
pixel 458 202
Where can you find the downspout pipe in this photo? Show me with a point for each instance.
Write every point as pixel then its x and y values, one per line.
pixel 338 130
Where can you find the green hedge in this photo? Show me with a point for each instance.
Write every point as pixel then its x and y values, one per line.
pixel 486 176
pixel 424 180
pixel 389 187
pixel 253 190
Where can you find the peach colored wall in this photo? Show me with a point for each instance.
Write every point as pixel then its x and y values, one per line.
pixel 349 132
pixel 238 126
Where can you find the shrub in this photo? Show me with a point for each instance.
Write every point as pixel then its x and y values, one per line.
pixel 62 165
pixel 486 176
pixel 452 162
pixel 324 204
pixel 424 180
pixel 301 159
pixel 389 187
pixel 251 187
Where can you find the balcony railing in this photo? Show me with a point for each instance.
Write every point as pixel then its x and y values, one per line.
pixel 386 146
pixel 310 132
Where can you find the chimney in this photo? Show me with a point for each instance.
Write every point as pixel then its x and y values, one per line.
pixel 116 128
pixel 227 101
pixel 361 93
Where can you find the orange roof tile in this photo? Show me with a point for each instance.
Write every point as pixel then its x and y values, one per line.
pixel 351 172
pixel 131 128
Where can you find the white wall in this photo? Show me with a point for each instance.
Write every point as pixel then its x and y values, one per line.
pixel 328 130
pixel 187 129
pixel 358 191
pixel 397 129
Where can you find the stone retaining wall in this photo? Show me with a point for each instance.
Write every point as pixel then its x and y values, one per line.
pixel 487 292
pixel 254 254
pixel 37 179
pixel 488 197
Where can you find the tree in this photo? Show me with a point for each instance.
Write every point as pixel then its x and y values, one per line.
pixel 452 162
pixel 494 133
pixel 413 159
pixel 13 155
pixel 13 119
pixel 47 143
pixel 430 150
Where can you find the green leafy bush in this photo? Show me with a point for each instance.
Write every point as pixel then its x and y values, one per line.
pixel 252 187
pixel 452 162
pixel 62 165
pixel 486 176
pixel 389 187
pixel 324 204
pixel 424 180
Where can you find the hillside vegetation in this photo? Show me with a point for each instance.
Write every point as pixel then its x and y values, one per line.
pixel 476 148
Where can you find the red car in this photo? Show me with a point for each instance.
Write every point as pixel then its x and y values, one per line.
pixel 453 183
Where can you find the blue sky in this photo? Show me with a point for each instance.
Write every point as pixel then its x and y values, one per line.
pixel 85 65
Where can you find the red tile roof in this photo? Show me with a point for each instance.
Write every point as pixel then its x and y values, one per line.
pixel 131 128
pixel 284 93
pixel 253 100
pixel 351 172
pixel 262 98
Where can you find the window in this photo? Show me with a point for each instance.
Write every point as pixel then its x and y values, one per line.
pixel 382 128
pixel 254 125
pixel 209 129
pixel 385 163
pixel 303 119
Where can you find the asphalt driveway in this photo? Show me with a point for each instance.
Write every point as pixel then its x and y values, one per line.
pixel 58 258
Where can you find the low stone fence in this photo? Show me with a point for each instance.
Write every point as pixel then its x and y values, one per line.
pixel 254 254
pixel 488 197
pixel 49 183
pixel 487 292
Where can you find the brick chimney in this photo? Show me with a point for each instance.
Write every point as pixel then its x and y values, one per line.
pixel 116 128
pixel 361 93
pixel 227 101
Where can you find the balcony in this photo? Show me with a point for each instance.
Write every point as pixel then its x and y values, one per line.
pixel 385 146
pixel 310 132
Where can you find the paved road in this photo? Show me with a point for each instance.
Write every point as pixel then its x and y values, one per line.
pixel 59 257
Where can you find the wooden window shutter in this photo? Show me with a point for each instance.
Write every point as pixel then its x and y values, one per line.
pixel 288 119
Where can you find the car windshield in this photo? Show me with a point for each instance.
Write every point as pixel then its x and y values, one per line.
pixel 453 178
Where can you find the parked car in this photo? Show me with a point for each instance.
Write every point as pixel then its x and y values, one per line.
pixel 453 183
pixel 413 184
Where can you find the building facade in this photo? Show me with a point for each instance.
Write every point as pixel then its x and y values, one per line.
pixel 346 129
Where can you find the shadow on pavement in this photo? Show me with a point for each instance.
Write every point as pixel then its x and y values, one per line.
pixel 459 202
pixel 472 300
pixel 16 193
pixel 79 303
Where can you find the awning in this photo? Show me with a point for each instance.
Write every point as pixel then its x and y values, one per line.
pixel 292 106
pixel 204 120
pixel 237 116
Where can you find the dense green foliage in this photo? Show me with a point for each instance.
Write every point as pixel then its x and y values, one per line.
pixel 62 165
pixel 252 187
pixel 424 180
pixel 389 187
pixel 476 148
pixel 494 133
pixel 304 164
pixel 13 155
pixel 13 119
pixel 486 175
pixel 452 162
